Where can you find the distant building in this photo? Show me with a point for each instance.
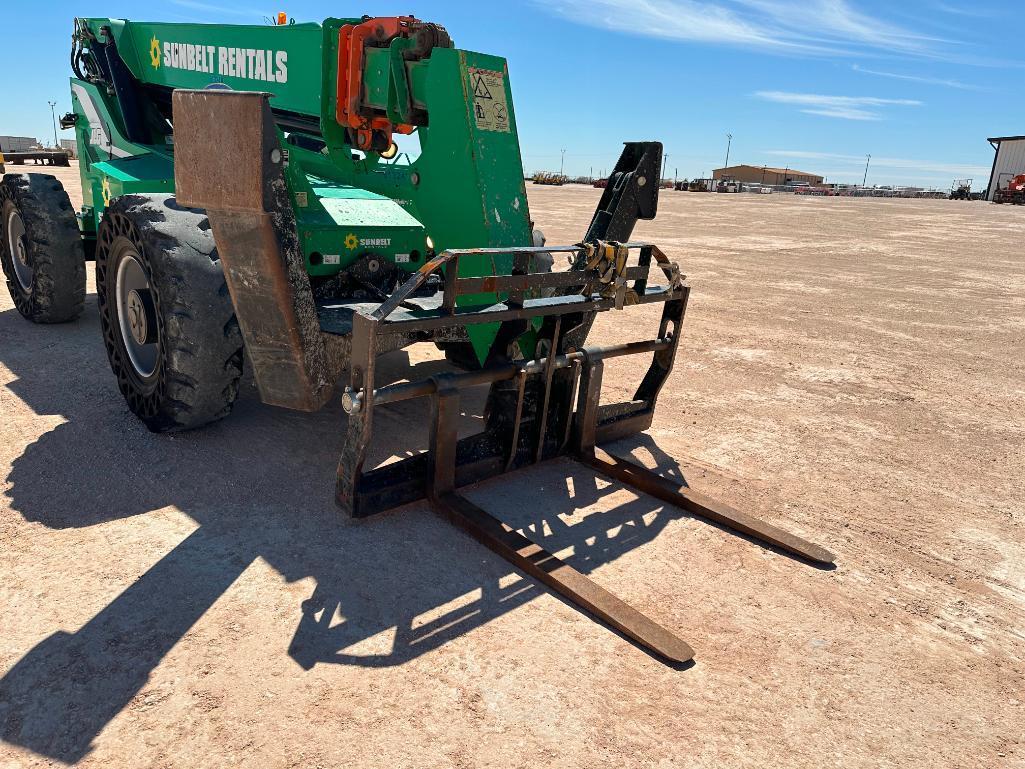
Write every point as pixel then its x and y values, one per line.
pixel 766 175
pixel 1008 163
pixel 16 143
pixel 70 146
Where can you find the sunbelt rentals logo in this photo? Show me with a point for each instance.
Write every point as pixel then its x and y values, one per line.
pixel 154 52
pixel 267 65
pixel 352 242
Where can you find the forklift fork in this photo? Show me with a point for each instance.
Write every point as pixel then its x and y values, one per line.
pixel 548 422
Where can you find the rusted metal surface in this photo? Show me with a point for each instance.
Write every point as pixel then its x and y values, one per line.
pixel 227 160
pixel 544 411
pixel 537 409
pixel 701 505
pixel 556 574
pixel 518 549
pixel 223 142
pixel 362 365
pixel 534 282
pixel 407 390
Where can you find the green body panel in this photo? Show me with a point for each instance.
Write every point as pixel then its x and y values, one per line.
pixel 465 190
pixel 110 165
pixel 283 60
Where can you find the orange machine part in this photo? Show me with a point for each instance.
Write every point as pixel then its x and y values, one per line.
pixel 352 43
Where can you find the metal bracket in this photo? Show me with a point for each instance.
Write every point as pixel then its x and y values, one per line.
pixel 557 425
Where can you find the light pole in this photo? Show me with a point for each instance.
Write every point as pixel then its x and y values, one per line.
pixel 665 161
pixel 56 144
pixel 729 141
pixel 868 159
pixel 562 167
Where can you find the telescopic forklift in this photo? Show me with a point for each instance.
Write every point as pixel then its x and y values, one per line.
pixel 246 200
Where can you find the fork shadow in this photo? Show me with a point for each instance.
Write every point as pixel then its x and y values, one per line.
pixel 259 486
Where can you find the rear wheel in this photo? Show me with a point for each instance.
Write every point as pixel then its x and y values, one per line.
pixel 168 322
pixel 41 248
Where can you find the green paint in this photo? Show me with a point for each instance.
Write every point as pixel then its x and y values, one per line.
pixel 465 190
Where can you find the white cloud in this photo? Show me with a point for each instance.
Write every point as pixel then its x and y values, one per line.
pixel 927 167
pixel 975 11
pixel 842 107
pixel 918 79
pixel 816 27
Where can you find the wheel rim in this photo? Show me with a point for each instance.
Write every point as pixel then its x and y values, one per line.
pixel 136 314
pixel 16 247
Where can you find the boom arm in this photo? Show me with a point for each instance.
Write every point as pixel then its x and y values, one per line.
pixel 465 190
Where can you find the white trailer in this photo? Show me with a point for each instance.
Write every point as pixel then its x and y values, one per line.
pixel 17 143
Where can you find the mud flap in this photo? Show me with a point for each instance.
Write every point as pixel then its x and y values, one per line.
pixel 229 162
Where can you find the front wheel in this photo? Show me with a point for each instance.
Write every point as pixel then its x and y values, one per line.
pixel 168 322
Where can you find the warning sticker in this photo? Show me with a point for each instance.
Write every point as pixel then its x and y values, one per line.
pixel 490 106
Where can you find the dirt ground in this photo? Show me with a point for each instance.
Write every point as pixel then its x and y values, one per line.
pixel 851 370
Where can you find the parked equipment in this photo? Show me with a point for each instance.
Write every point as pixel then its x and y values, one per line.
pixel 39 157
pixel 550 178
pixel 288 227
pixel 961 189
pixel 1013 193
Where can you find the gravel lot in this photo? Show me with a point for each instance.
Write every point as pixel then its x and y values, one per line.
pixel 852 370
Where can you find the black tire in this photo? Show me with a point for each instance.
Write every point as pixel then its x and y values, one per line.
pixel 184 371
pixel 41 248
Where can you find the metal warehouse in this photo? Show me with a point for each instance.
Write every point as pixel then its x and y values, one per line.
pixel 766 175
pixel 1008 163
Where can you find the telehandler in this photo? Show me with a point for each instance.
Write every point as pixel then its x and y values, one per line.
pixel 246 199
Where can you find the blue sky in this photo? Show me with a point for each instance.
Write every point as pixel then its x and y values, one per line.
pixel 813 84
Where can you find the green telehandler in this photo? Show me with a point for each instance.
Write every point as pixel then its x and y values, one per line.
pixel 246 199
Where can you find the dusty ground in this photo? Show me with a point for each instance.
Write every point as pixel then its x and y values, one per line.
pixel 852 370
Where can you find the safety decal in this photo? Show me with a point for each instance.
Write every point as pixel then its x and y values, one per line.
pixel 490 105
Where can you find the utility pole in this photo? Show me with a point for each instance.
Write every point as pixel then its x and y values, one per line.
pixel 729 141
pixel 562 168
pixel 56 144
pixel 868 159
pixel 665 161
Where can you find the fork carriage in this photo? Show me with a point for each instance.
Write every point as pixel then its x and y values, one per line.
pixel 555 403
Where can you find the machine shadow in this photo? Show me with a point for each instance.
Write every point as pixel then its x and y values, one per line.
pixel 258 485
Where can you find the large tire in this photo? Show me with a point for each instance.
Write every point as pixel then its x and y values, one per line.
pixel 41 248
pixel 168 322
